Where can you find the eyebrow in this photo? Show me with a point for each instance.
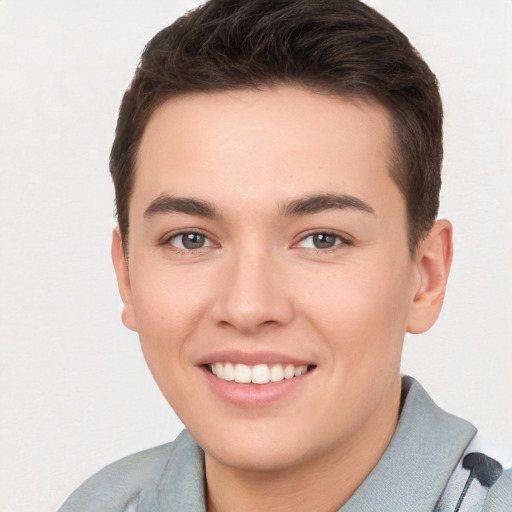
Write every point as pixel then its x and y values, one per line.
pixel 321 202
pixel 165 203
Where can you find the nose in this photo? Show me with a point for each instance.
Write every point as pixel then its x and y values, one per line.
pixel 252 295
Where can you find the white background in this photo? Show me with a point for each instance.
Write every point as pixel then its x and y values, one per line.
pixel 75 393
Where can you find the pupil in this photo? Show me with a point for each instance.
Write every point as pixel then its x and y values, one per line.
pixel 193 240
pixel 324 241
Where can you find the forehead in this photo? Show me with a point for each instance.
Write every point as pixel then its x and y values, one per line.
pixel 271 143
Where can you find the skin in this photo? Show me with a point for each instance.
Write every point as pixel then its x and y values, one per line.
pixel 260 284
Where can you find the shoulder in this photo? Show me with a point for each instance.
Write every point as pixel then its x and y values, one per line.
pixel 499 498
pixel 119 483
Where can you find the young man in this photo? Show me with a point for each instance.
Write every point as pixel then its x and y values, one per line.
pixel 277 174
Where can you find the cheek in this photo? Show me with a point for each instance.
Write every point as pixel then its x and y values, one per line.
pixel 169 306
pixel 168 297
pixel 361 311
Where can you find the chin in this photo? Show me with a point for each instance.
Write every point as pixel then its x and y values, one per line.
pixel 255 458
pixel 255 449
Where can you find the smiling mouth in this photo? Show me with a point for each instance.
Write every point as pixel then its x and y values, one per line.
pixel 257 374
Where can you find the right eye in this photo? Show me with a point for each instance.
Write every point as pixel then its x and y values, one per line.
pixel 320 241
pixel 189 241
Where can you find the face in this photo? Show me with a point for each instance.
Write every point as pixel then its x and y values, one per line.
pixel 268 245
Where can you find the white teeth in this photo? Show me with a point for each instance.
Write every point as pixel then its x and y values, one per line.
pixel 289 371
pixel 242 373
pixel 258 374
pixel 276 373
pixel 229 372
pixel 220 370
pixel 299 370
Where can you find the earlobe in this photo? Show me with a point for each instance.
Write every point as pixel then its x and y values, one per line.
pixel 433 262
pixel 123 280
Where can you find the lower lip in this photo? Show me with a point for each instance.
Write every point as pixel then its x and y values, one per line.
pixel 253 395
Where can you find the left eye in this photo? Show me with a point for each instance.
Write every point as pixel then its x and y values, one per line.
pixel 320 241
pixel 190 241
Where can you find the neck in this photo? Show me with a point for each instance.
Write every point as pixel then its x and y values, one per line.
pixel 324 483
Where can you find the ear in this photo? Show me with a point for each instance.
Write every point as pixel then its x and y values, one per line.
pixel 433 262
pixel 123 280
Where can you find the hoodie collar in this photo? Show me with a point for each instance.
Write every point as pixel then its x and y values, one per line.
pixel 419 460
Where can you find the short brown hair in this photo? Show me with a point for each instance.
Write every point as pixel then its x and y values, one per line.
pixel 341 47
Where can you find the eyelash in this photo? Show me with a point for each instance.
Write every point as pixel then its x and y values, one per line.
pixel 341 241
pixel 168 240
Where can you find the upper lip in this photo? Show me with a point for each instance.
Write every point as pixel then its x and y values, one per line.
pixel 252 358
